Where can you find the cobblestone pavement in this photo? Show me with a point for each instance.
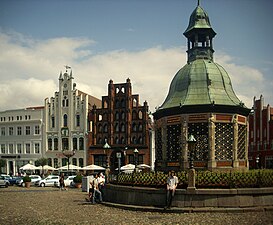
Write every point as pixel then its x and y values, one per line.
pixel 37 205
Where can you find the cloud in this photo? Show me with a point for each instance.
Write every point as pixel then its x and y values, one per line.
pixel 30 70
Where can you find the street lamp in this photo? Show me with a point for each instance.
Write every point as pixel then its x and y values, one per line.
pixel 68 154
pixel 136 156
pixel 257 161
pixel 191 146
pixel 107 146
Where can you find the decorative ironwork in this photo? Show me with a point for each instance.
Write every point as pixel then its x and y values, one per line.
pixel 242 132
pixel 173 142
pixel 223 141
pixel 158 141
pixel 200 132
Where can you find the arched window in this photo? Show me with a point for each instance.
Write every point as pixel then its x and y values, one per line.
pixel 134 102
pixel 75 143
pixel 55 143
pixel 56 163
pixel 117 103
pixel 117 116
pixel 123 116
pixel 134 140
pixel 134 115
pixel 81 143
pixel 122 128
pixel 81 162
pixel 140 140
pixel 140 115
pixel 78 120
pixel 117 128
pixel 49 143
pixel 65 145
pixel 140 127
pixel 74 161
pixel 49 161
pixel 122 140
pixel 105 128
pixel 116 140
pixel 134 127
pixel 122 103
pixel 100 128
pixel 65 120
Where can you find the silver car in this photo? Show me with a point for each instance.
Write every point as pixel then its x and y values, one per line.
pixel 4 182
pixel 48 181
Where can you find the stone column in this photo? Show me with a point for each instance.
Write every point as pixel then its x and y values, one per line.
pixel 235 142
pixel 191 181
pixel 211 161
pixel 184 147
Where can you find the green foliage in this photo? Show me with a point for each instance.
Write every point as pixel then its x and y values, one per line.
pixel 26 179
pixel 204 179
pixel 77 179
pixel 41 162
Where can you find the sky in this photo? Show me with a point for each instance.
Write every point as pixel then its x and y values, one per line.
pixel 119 39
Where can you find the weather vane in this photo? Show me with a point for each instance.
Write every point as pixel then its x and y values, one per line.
pixel 67 67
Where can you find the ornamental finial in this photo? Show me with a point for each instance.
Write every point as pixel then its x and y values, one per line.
pixel 198 3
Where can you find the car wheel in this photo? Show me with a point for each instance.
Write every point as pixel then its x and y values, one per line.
pixel 6 185
pixel 42 184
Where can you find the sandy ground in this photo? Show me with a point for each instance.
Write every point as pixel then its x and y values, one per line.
pixel 37 205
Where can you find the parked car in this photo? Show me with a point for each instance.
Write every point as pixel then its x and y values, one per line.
pixel 67 181
pixel 48 181
pixel 13 180
pixel 4 182
pixel 34 179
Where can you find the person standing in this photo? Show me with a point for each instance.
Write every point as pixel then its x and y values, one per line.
pixel 101 182
pixel 96 189
pixel 61 181
pixel 172 183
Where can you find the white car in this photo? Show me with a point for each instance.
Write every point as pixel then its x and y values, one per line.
pixel 48 181
pixel 68 182
pixel 34 179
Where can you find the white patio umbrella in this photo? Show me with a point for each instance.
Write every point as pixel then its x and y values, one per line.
pixel 93 167
pixel 47 167
pixel 71 167
pixel 143 166
pixel 29 167
pixel 128 167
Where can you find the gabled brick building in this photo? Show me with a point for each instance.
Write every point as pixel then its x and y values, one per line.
pixel 123 124
pixel 261 135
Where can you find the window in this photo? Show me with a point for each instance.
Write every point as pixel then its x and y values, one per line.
pixel 37 148
pixel 27 130
pixel 78 121
pixel 100 160
pixel 55 143
pixel 3 149
pixel 49 162
pixel 74 161
pixel 11 148
pixel 19 130
pixel 81 162
pixel 52 121
pixel 19 148
pixel 49 143
pixel 81 143
pixel 37 129
pixel 75 143
pixel 3 131
pixel 10 131
pixel 27 148
pixel 56 163
pixel 65 145
pixel 65 120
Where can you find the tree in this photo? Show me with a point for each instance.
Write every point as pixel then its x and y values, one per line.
pixel 41 162
pixel 2 164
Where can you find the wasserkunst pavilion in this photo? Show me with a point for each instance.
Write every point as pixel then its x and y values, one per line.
pixel 201 102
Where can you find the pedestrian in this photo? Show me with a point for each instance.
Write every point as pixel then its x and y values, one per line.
pixel 101 182
pixel 61 181
pixel 91 189
pixel 172 183
pixel 96 190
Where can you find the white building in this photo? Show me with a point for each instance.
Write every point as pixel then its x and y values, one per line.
pixel 66 124
pixel 20 137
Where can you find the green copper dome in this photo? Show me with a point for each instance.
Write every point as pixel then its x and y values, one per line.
pixel 201 82
pixel 201 85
